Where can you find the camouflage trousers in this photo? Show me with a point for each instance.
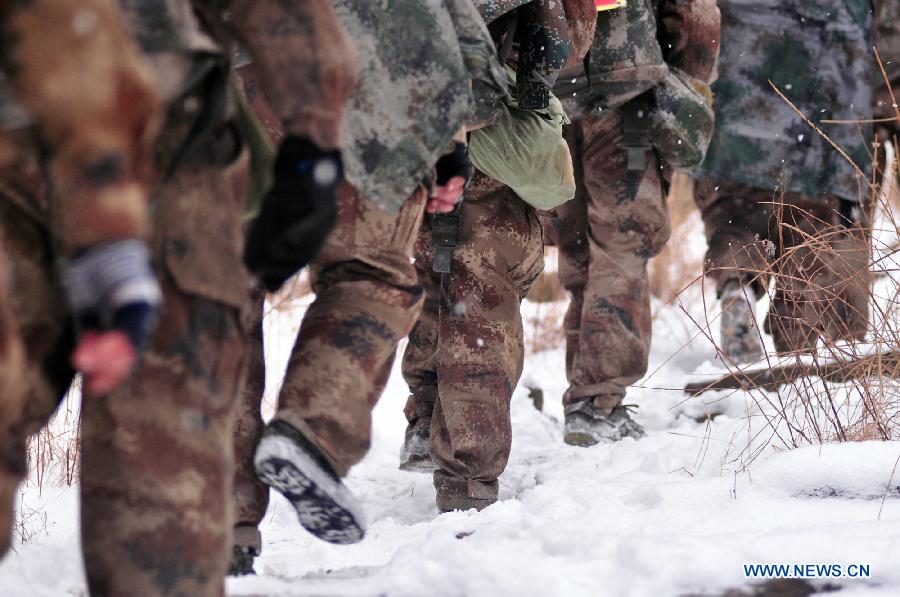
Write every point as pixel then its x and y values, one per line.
pixel 367 299
pixel 12 401
pixel 465 353
pixel 605 236
pixel 818 256
pixel 156 454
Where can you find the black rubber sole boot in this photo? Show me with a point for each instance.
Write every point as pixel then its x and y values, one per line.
pixel 291 464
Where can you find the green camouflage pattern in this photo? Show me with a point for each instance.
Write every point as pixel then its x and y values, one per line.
pixel 542 34
pixel 624 61
pixel 887 40
pixel 665 48
pixel 818 53
pixel 465 354
pixel 681 120
pixel 417 60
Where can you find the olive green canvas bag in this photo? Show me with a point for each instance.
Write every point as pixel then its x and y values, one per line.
pixel 525 150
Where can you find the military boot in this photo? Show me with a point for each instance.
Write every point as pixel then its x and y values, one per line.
pixel 247 546
pixel 415 455
pixel 290 463
pixel 587 425
pixel 740 335
pixel 455 493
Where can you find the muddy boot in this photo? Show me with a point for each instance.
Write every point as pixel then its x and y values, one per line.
pixel 586 425
pixel 415 455
pixel 454 493
pixel 285 460
pixel 247 546
pixel 740 335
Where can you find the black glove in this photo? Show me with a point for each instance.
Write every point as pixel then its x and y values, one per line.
pixel 297 214
pixel 112 286
pixel 455 163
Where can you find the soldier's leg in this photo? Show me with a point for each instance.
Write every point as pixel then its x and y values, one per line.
pixel 569 232
pixel 419 361
pixel 480 343
pixel 12 400
pixel 251 495
pixel 157 512
pixel 37 304
pixel 738 259
pixel 822 276
pixel 367 300
pixel 627 223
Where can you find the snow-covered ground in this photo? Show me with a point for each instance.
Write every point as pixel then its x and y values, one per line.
pixel 678 513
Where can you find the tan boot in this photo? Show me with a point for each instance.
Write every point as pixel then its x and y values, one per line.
pixel 455 493
pixel 415 455
pixel 740 335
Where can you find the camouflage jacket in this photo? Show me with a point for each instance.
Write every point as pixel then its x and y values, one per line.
pixel 419 61
pixel 303 60
pixel 817 53
pixel 887 40
pixel 634 48
pixel 91 101
pixel 542 34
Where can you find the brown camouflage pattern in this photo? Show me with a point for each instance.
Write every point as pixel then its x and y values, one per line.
pixel 156 454
pixel 162 441
pixel 251 496
pixel 97 139
pixel 605 237
pixel 465 353
pixel 820 261
pixel 12 400
pixel 367 300
pixel 299 46
pixel 99 134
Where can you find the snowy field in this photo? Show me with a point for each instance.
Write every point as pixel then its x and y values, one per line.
pixel 711 488
pixel 677 513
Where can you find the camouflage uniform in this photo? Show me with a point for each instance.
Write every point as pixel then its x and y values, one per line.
pixel 465 354
pixel 816 53
pixel 367 292
pixel 619 220
pixel 887 40
pixel 98 137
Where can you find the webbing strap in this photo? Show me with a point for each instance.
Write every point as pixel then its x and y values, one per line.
pixel 445 237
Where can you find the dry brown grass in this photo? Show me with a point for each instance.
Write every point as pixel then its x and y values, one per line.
pixel 843 390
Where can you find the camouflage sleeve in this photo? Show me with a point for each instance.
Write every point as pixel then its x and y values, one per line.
pixel 581 16
pixel 689 36
pixel 77 72
pixel 305 63
pixel 543 52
